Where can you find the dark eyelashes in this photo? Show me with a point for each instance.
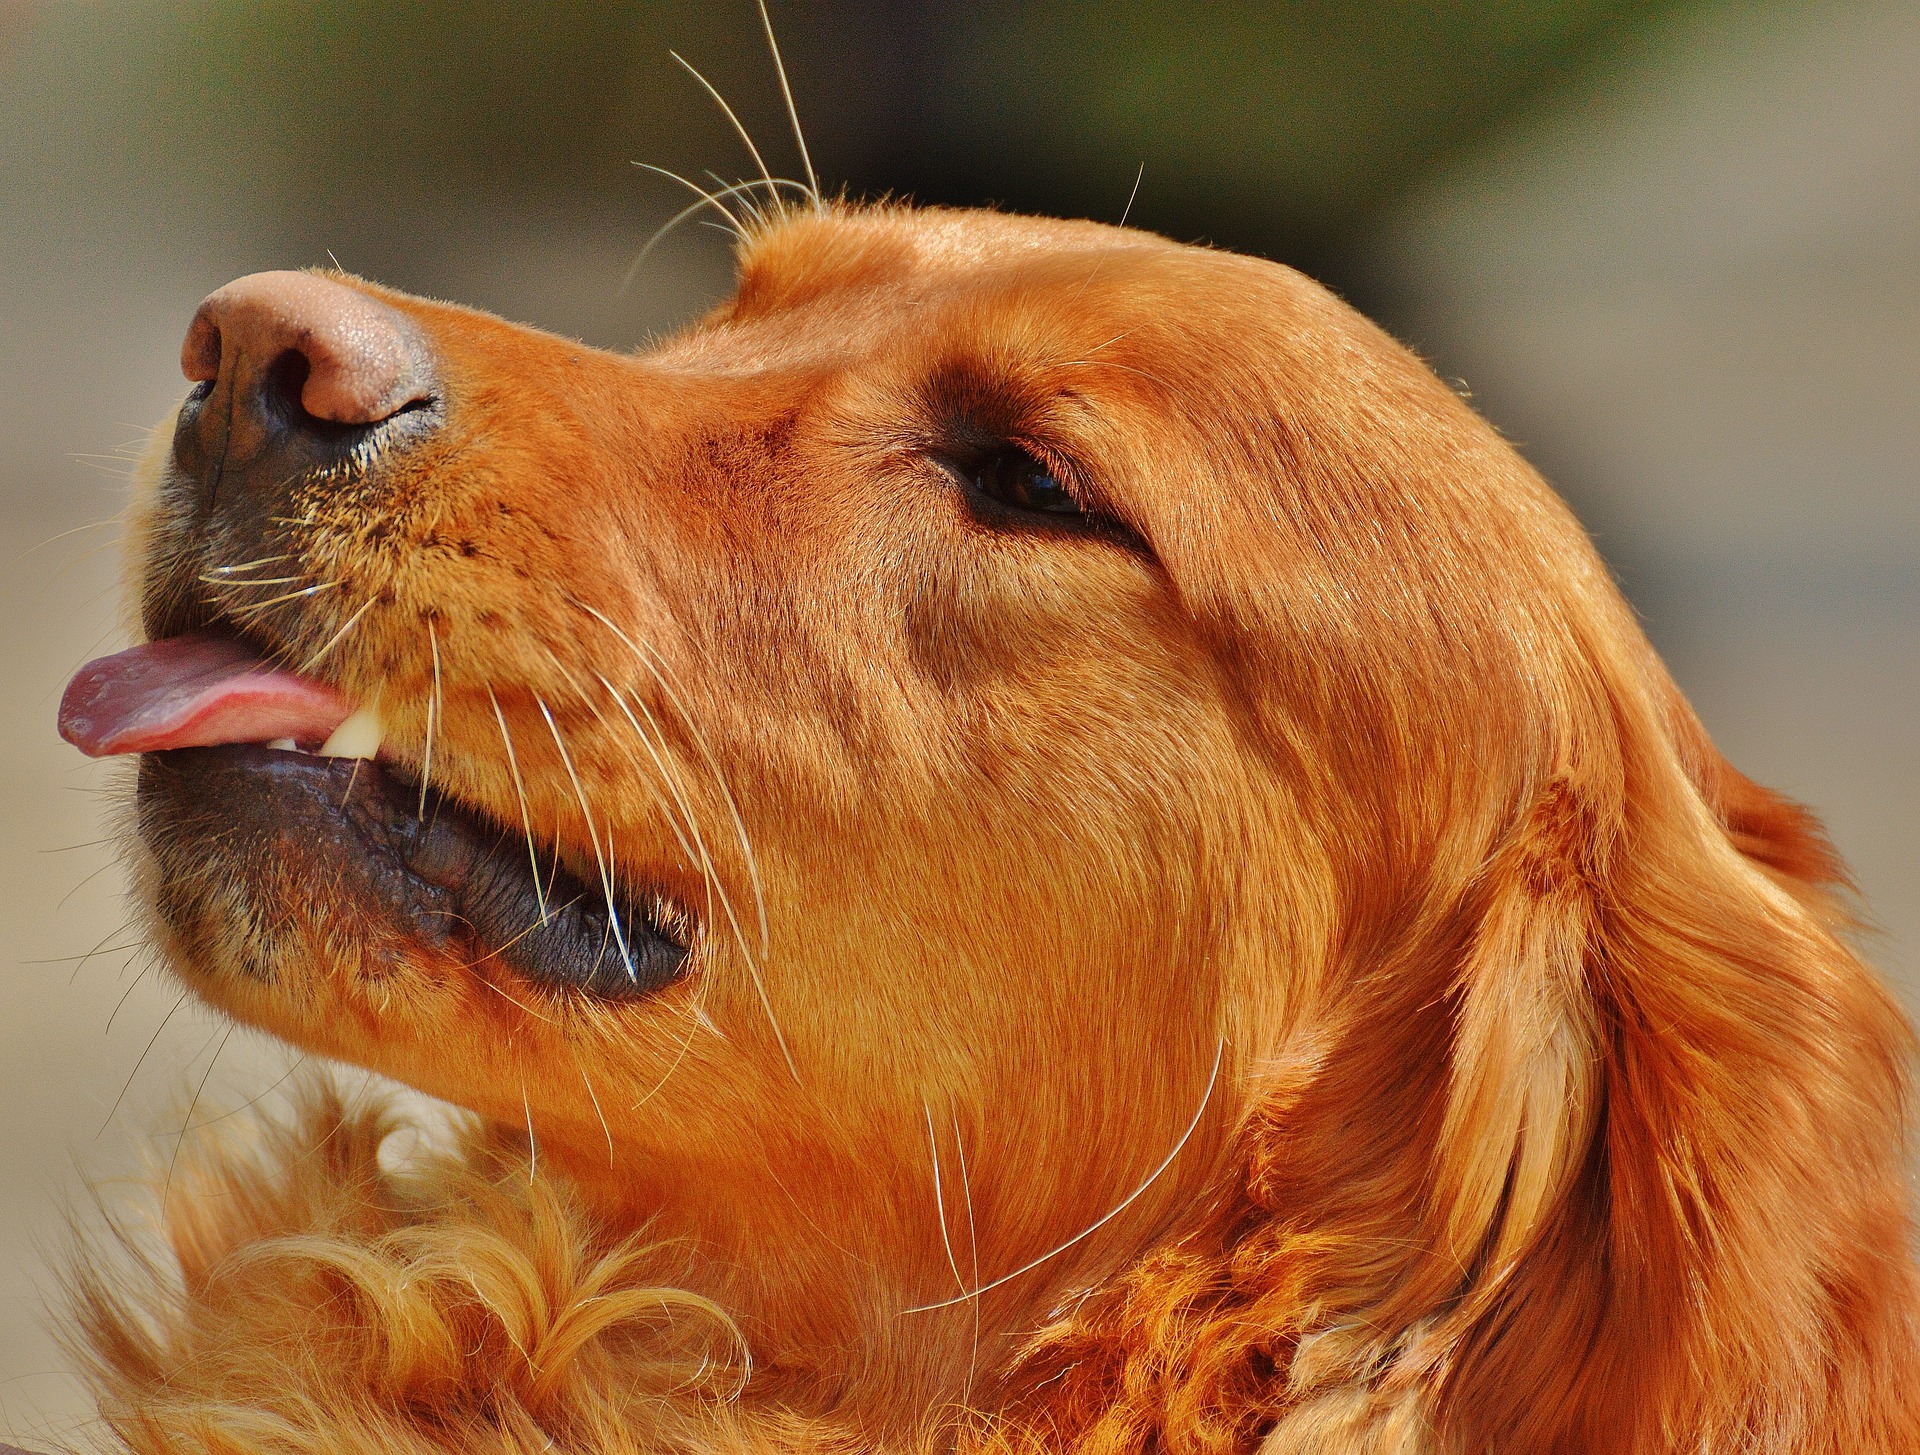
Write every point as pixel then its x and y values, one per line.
pixel 1014 487
pixel 1018 479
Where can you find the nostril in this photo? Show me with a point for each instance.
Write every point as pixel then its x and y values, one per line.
pixel 315 350
pixel 281 386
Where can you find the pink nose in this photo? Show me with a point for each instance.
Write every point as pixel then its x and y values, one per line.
pixel 363 361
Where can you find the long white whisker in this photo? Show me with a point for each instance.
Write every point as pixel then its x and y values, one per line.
pixel 973 1245
pixel 755 213
pixel 506 947
pixel 433 720
pixel 660 233
pixel 1125 368
pixel 692 1031
pixel 1219 1056
pixel 1127 211
pixel 256 561
pixel 211 578
pixel 533 1143
pixel 706 200
pixel 520 792
pixel 58 536
pixel 1107 344
pixel 1094 271
pixel 338 637
pixel 512 1000
pixel 709 873
pixel 593 833
pixel 939 1198
pixel 659 670
pixel 721 102
pixel 793 112
pixel 254 607
pixel 594 1096
pixel 702 858
pixel 696 851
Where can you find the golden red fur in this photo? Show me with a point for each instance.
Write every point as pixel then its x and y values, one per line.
pixel 1296 869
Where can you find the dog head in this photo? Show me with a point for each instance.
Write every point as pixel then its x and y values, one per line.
pixel 1009 751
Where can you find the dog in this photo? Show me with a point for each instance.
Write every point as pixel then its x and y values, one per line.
pixel 1026 839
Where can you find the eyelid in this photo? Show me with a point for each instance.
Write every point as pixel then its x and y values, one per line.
pixel 1075 479
pixel 1095 518
pixel 1057 465
pixel 964 461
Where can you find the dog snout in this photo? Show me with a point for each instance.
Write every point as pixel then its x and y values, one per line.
pixel 295 370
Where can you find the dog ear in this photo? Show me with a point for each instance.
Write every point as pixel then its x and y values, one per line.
pixel 1671 1158
pixel 1523 1080
pixel 1605 1156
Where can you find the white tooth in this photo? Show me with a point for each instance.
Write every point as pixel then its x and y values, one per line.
pixel 284 745
pixel 358 737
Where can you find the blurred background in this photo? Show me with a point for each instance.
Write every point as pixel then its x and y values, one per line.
pixel 1672 248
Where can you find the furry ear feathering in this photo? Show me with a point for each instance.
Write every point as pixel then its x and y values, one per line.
pixel 1151 898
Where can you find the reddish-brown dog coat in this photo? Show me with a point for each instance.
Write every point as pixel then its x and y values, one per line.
pixel 1318 831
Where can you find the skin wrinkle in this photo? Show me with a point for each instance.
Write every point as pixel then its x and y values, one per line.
pixel 1334 826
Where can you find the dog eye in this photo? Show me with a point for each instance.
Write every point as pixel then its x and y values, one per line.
pixel 1015 478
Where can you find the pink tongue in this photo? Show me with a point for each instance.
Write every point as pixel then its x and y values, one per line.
pixel 192 692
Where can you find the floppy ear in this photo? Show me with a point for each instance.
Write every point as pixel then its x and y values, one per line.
pixel 1524 1077
pixel 1672 1152
pixel 1605 1156
pixel 1406 1153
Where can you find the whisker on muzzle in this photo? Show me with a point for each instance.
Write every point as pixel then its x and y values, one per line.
pixel 593 834
pixel 520 792
pixel 435 706
pixel 659 672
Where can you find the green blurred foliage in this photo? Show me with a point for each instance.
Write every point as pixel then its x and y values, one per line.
pixel 1311 112
pixel 469 94
pixel 1278 127
pixel 294 104
pixel 462 90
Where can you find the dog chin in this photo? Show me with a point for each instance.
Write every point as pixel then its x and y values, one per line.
pixel 263 850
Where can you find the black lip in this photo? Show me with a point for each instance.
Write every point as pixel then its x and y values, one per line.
pixel 238 472
pixel 441 875
pixel 247 444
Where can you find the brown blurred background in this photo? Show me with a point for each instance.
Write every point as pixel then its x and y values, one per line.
pixel 1673 248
